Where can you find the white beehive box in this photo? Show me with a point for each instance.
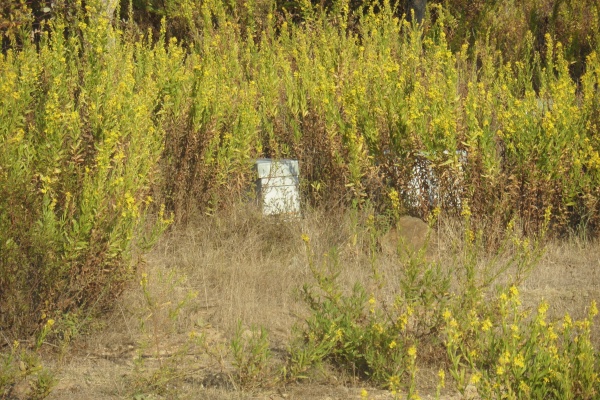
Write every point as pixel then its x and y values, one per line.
pixel 277 186
pixel 424 183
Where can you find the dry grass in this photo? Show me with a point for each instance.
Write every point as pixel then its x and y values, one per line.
pixel 246 267
pixel 568 277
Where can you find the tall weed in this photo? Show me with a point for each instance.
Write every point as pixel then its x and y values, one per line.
pixel 80 140
pixel 376 329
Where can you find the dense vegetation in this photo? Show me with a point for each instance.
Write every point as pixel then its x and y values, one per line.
pixel 489 109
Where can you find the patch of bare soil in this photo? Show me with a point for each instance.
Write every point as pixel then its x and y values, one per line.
pixel 170 339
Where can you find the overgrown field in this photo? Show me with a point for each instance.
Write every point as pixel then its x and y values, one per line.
pixel 239 306
pixel 116 123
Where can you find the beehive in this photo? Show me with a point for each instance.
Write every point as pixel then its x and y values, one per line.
pixel 277 186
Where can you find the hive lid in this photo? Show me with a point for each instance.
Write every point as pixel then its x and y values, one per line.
pixel 269 168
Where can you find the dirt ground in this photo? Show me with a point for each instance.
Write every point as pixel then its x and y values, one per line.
pixel 202 279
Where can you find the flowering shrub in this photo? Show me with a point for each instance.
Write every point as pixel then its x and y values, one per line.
pixel 377 335
pixel 512 355
pixel 79 144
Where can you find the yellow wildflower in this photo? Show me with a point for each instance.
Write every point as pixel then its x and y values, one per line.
pixel 372 304
pixel 486 325
pixel 403 321
pixel 378 328
pixel 447 314
pixel 504 358
pixel 523 387
pixel 567 322
pixel 412 351
pixel 593 309
pixel 551 334
pixel 515 331
pixel 519 361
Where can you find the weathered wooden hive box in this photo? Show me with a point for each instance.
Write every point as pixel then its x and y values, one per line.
pixel 277 186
